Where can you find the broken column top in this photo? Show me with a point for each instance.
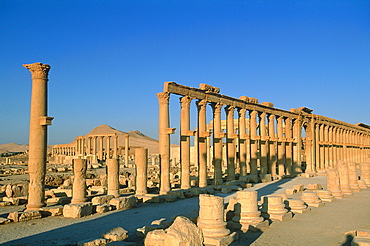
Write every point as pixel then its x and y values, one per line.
pixel 38 70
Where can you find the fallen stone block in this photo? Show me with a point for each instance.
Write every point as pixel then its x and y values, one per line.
pixel 24 216
pixel 116 234
pixel 314 187
pixel 298 188
pixel 93 242
pixel 77 210
pixel 122 203
pixel 265 178
pixel 155 238
pixel 183 232
pixel 102 199
pixel 102 208
pixel 52 211
pixel 122 243
pixel 290 191
pixel 59 200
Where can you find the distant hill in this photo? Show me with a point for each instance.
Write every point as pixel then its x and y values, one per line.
pixel 12 148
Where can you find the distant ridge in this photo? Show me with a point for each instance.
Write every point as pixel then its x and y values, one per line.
pixel 13 147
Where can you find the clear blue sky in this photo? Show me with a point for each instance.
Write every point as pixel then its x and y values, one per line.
pixel 109 58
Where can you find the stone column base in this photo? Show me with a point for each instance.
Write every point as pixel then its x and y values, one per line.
pixel 220 241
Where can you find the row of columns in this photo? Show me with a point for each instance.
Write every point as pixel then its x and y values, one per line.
pixel 273 143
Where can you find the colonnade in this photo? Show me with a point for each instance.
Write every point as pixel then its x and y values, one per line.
pixel 265 140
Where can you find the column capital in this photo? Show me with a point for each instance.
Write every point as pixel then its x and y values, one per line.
pixel 38 70
pixel 216 107
pixel 163 97
pixel 201 103
pixel 185 101
pixel 229 108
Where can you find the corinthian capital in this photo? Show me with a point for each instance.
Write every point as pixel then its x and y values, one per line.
pixel 38 70
pixel 163 97
pixel 185 101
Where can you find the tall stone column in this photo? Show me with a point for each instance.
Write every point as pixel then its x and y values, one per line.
pixel 115 147
pixel 322 148
pixel 230 142
pixel 330 145
pixel 317 146
pixel 127 148
pixel 89 145
pixel 79 182
pixel 141 157
pixel 272 145
pixel 264 143
pixel 164 141
pixel 101 144
pixel 217 143
pixel 108 147
pixel 185 141
pixel 95 149
pixel 288 147
pixel 344 178
pixel 309 144
pixel 113 177
pixel 253 142
pixel 38 135
pixel 281 146
pixel 202 142
pixel 242 142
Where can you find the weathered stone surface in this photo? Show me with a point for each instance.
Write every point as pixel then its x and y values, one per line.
pixel 102 208
pixel 102 199
pixel 59 200
pixel 122 203
pixel 77 210
pixel 24 216
pixel 298 188
pixel 93 242
pixel 183 232
pixel 155 238
pixel 116 234
pixel 52 211
pixel 4 221
pixel 265 178
pixel 314 187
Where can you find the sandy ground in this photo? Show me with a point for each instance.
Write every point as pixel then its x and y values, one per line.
pixel 320 226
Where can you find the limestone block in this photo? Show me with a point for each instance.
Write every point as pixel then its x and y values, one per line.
pixel 155 238
pixel 265 178
pixel 362 184
pixel 183 232
pixel 59 200
pixel 290 191
pixel 62 192
pixel 223 241
pixel 151 198
pixel 252 179
pixel 93 242
pixel 122 203
pixel 169 198
pixel 52 211
pixel 226 190
pixel 325 195
pixel 116 234
pixel 314 187
pixel 163 222
pixel 4 221
pixel 5 203
pixel 101 199
pixel 122 243
pixel 24 216
pixel 102 208
pixel 77 210
pixel 178 193
pixel 299 188
pixel 296 206
pixel 311 199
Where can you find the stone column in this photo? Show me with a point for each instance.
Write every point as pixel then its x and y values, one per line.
pixel 352 177
pixel 281 146
pixel 113 177
pixel 272 145
pixel 253 142
pixel 288 147
pixel 332 182
pixel 246 211
pixel 217 143
pixel 211 218
pixel 230 142
pixel 127 147
pixel 330 145
pixel 108 147
pixel 95 149
pixel 365 172
pixel 164 141
pixel 89 145
pixel 242 142
pixel 38 135
pixel 308 152
pixel 185 141
pixel 264 143
pixel 115 147
pixel 101 144
pixel 344 178
pixel 322 148
pixel 141 157
pixel 202 143
pixel 79 182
